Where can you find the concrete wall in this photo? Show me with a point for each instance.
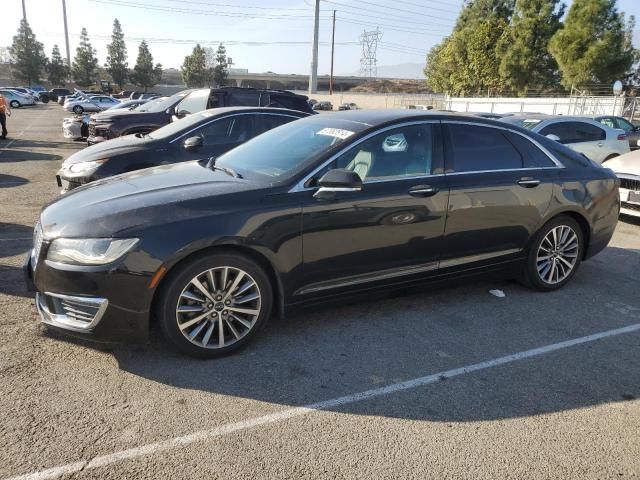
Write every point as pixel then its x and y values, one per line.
pixel 378 100
pixel 552 106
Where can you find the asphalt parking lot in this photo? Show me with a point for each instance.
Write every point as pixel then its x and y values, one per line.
pixel 444 383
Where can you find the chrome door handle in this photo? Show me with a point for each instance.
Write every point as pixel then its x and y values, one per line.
pixel 528 182
pixel 600 144
pixel 423 191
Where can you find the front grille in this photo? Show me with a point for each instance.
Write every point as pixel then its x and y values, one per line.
pixel 37 243
pixel 92 130
pixel 630 184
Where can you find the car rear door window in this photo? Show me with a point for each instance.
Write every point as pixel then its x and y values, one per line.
pixel 532 156
pixel 574 132
pixel 243 99
pixel 404 152
pixel 474 148
pixel 624 125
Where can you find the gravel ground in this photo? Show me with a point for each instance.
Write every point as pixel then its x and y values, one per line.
pixel 113 412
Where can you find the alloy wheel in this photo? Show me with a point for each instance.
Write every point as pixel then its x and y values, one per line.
pixel 557 254
pixel 218 307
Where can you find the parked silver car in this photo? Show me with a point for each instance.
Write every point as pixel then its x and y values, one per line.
pixel 96 103
pixel 585 135
pixel 16 99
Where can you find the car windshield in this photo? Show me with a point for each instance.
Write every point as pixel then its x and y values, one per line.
pixel 523 122
pixel 178 126
pixel 286 150
pixel 159 104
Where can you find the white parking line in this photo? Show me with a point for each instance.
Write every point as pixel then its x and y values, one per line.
pixel 152 448
pixel 6 147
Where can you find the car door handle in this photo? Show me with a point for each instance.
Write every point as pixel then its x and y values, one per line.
pixel 423 191
pixel 600 144
pixel 528 182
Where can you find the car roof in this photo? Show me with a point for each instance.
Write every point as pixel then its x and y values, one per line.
pixel 224 110
pixel 377 117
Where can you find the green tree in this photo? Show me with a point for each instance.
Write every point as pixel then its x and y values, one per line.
pixel 57 69
pixel 145 74
pixel 85 63
pixel 27 55
pixel 595 44
pixel 466 62
pixel 116 63
pixel 525 60
pixel 194 68
pixel 221 70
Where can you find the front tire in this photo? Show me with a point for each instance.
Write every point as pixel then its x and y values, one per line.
pixel 215 304
pixel 78 109
pixel 555 254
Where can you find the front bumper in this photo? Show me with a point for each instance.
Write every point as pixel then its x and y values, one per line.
pixel 629 195
pixel 109 304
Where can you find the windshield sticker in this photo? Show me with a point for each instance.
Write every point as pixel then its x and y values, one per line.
pixel 336 132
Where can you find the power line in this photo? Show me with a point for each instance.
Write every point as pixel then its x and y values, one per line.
pixel 392 27
pixel 239 6
pixel 387 9
pixel 424 24
pixel 146 6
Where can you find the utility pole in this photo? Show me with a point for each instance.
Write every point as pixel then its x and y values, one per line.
pixel 313 78
pixel 24 11
pixel 66 31
pixel 333 39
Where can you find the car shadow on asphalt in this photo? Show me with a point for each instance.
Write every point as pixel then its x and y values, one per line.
pixel 8 181
pixel 11 155
pixel 332 351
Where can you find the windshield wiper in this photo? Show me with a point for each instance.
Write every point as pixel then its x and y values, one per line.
pixel 228 171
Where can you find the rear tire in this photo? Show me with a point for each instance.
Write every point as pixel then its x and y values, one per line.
pixel 14 104
pixel 555 254
pixel 613 155
pixel 214 304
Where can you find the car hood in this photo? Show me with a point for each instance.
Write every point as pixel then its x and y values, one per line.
pixel 120 205
pixel 108 149
pixel 628 163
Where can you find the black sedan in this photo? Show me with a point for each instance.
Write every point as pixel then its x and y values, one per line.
pixel 206 134
pixel 325 207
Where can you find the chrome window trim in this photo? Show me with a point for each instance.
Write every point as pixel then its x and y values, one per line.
pixel 557 163
pixel 233 115
pixel 299 186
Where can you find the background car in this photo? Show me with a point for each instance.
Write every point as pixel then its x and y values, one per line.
pixel 324 105
pixel 348 106
pixel 632 131
pixel 76 127
pixel 327 206
pixel 16 99
pixel 26 91
pixel 128 104
pixel 585 135
pixel 55 93
pixel 199 136
pixel 96 103
pixel 111 125
pixel 627 169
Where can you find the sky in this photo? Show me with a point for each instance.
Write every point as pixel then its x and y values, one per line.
pixel 271 35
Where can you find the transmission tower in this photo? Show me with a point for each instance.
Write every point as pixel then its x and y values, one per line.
pixel 368 62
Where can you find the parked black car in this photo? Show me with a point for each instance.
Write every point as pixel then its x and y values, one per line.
pixel 106 126
pixel 202 135
pixel 324 105
pixel 632 131
pixel 55 93
pixel 328 206
pixel 348 106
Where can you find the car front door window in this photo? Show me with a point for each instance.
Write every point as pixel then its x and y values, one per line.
pixel 403 152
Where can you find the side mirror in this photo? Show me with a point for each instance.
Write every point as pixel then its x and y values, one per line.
pixel 192 144
pixel 170 111
pixel 553 137
pixel 338 180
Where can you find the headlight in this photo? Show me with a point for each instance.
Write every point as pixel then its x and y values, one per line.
pixel 89 251
pixel 86 166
